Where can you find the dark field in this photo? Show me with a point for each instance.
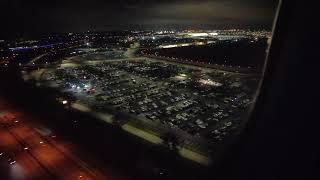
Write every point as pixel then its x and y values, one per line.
pixel 244 53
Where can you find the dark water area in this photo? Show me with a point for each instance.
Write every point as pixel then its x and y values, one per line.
pixel 116 149
pixel 244 53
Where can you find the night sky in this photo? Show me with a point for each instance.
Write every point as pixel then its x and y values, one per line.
pixel 26 17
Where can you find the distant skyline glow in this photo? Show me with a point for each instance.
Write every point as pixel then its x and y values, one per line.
pixel 34 16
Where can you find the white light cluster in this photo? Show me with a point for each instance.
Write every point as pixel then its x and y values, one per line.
pixel 210 82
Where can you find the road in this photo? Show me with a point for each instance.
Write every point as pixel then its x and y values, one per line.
pixel 41 154
pixel 28 167
pixel 36 59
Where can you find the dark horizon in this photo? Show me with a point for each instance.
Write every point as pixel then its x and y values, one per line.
pixel 29 18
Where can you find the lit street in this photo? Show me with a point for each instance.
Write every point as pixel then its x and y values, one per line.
pixel 39 156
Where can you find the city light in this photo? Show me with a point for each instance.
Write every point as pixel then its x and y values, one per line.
pixel 179 75
pixel 210 82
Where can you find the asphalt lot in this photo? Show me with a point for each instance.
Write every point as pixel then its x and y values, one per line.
pixel 156 97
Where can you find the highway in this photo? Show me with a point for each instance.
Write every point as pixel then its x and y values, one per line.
pixel 41 154
pixel 27 167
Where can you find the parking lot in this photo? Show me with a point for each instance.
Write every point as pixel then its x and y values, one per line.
pixel 196 105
